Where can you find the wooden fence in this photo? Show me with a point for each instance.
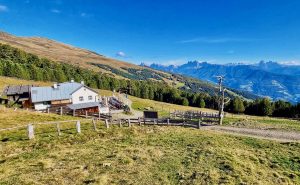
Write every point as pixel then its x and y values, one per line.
pixel 107 123
pixel 190 115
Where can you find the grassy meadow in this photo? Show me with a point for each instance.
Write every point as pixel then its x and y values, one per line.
pixel 145 155
pixel 142 154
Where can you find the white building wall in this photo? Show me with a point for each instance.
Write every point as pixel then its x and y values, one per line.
pixel 41 106
pixel 85 93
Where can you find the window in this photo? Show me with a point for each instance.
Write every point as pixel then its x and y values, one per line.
pixel 80 98
pixel 90 97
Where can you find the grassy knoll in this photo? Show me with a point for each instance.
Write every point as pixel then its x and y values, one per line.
pixel 4 81
pixel 164 108
pixel 10 118
pixel 147 155
pixel 262 122
pixel 142 155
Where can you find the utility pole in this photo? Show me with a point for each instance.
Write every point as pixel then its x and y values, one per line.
pixel 221 99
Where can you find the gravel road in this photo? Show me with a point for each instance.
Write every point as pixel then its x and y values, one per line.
pixel 284 136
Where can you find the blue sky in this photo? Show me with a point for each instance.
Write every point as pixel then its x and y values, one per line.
pixel 164 31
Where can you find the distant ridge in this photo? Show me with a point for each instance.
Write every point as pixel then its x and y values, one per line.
pixel 65 53
pixel 278 81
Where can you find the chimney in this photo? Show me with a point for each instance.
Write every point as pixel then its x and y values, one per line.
pixel 55 85
pixel 82 82
pixel 72 80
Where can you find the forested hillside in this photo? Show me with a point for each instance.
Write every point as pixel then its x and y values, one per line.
pixel 17 63
pixel 67 54
pixel 271 79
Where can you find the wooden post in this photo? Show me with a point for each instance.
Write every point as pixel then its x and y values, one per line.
pixel 140 123
pixel 86 114
pixel 48 110
pixel 99 114
pixel 58 129
pixel 120 122
pixel 144 121
pixel 154 121
pixel 199 124
pixel 106 123
pixel 94 124
pixel 129 123
pixel 61 111
pixel 168 122
pixel 74 112
pixel 30 131
pixel 78 129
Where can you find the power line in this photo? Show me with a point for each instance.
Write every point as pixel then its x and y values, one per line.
pixel 221 99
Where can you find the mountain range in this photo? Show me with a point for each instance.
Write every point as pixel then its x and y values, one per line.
pixel 271 79
pixel 83 58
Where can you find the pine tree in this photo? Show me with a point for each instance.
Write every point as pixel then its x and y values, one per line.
pixel 238 105
pixel 265 107
pixel 202 103
pixel 185 102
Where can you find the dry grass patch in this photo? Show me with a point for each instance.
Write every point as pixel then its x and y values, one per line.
pixel 166 155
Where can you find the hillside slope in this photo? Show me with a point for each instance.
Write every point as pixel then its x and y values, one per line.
pixel 266 78
pixel 86 59
pixel 60 52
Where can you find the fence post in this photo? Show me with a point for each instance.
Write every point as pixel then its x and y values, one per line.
pixel 106 123
pixel 99 114
pixel 140 123
pixel 86 114
pixel 94 124
pixel 120 122
pixel 30 131
pixel 48 110
pixel 74 112
pixel 199 124
pixel 78 129
pixel 168 122
pixel 129 123
pixel 61 111
pixel 58 129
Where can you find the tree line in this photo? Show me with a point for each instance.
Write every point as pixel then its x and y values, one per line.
pixel 264 107
pixel 17 63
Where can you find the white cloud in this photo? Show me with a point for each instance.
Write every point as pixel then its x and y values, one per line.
pixel 120 54
pixel 55 11
pixel 292 63
pixel 215 40
pixel 3 8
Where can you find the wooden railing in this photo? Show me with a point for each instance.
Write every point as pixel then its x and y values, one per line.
pixel 108 122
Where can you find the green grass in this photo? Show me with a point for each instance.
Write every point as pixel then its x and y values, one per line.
pixel 147 155
pixel 263 123
pixel 10 118
pixel 143 155
pixel 162 107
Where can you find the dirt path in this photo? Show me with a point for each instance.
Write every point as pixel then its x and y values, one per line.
pixel 283 136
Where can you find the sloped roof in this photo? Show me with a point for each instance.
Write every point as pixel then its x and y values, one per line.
pixel 62 92
pixel 84 105
pixel 16 89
